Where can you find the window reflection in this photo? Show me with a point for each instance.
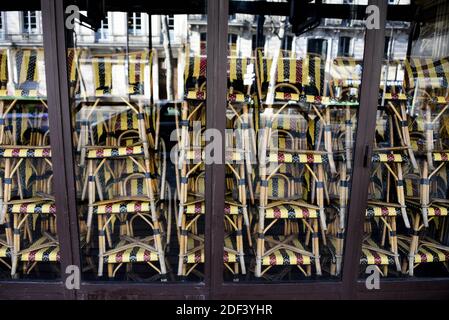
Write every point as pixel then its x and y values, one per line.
pixel 29 246
pixel 132 112
pixel 406 225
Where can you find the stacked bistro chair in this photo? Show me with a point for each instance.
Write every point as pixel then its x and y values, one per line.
pixel 190 167
pixel 343 92
pixel 26 164
pixel 295 151
pixel 427 82
pixel 124 177
pixel 425 245
pixel 392 156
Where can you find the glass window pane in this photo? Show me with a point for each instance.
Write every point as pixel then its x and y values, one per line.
pixel 293 95
pixel 406 225
pixel 139 186
pixel 29 247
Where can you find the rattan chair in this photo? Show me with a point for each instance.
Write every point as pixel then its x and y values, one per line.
pixel 192 209
pixel 427 82
pixel 293 114
pixel 25 155
pixel 387 190
pixel 108 136
pixel 343 94
pixel 425 245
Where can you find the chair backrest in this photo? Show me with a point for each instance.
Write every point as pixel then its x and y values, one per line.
pixel 137 62
pixel 28 80
pixel 440 183
pixel 281 139
pixel 392 79
pixel 3 69
pixel 135 185
pixel 411 183
pixel 200 183
pixel 102 72
pixel 382 127
pixel 346 72
pixel 238 67
pixel 195 68
pixel 426 73
pixel 307 73
pixel 123 121
pixel 118 74
pixel 278 187
pixel 75 56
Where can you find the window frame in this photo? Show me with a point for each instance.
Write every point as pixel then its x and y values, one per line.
pixel 213 286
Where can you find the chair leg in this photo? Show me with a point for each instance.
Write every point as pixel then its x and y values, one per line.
pixel 404 266
pixel 414 245
pixel 394 243
pixel 101 245
pixel 425 193
pixel 182 246
pixel 16 244
pixel 156 224
pixel 91 197
pixel 110 271
pixel 260 243
pixel 401 195
pixel 339 251
pixel 316 247
pixel 239 240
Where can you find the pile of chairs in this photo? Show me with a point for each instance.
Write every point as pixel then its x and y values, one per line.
pixel 122 162
pixel 409 171
pixel 28 212
pixel 294 152
pixel 190 166
pixel 288 163
pixel 427 188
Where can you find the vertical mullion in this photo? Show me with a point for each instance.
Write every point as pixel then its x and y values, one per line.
pixel 60 132
pixel 372 63
pixel 216 119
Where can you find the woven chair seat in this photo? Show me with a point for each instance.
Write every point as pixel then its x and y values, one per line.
pixel 197 256
pixel 113 152
pixel 135 254
pixel 47 207
pixel 437 211
pixel 231 97
pixel 295 123
pixel 49 254
pixel 290 211
pixel 440 156
pixel 281 143
pixel 425 253
pixel 388 157
pixel 283 257
pixel 199 208
pixel 373 257
pixel 230 155
pixel 382 211
pixel 395 96
pixel 5 251
pixel 125 206
pixel 24 152
pixel 291 157
pixel 280 96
